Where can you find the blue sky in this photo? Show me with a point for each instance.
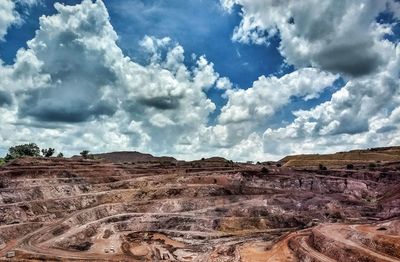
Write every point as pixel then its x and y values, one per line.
pixel 297 74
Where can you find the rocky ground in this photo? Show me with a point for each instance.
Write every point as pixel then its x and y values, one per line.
pixel 77 210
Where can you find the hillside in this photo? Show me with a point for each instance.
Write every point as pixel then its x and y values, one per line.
pixel 128 156
pixel 340 159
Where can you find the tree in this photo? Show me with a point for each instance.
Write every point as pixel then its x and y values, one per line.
pixel 2 162
pixel 22 150
pixel 60 155
pixel 48 152
pixel 85 153
pixel 8 158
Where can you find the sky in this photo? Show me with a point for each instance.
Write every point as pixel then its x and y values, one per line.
pixel 243 79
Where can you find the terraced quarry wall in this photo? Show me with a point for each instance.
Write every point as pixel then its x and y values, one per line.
pixel 79 210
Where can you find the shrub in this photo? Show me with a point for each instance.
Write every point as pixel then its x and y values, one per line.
pixel 350 166
pixel 322 167
pixel 82 246
pixel 60 155
pixel 85 153
pixel 371 166
pixel 264 170
pixel 3 183
pixel 279 165
pixel 2 162
pixel 48 152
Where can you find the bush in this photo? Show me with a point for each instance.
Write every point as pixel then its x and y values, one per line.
pixel 3 183
pixel 85 153
pixel 350 166
pixel 371 166
pixel 82 246
pixel 48 152
pixel 2 162
pixel 279 165
pixel 322 167
pixel 60 155
pixel 22 150
pixel 264 170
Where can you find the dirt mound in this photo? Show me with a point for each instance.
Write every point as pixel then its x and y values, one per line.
pixel 136 157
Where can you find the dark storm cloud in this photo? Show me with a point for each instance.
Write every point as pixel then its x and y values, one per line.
pixel 386 129
pixel 355 59
pixel 137 108
pixel 60 114
pixel 5 98
pixel 162 103
pixel 67 114
pixel 351 127
pixel 48 108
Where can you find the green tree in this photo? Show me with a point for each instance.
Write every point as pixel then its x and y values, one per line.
pixel 85 153
pixel 60 155
pixel 48 152
pixel 2 162
pixel 22 150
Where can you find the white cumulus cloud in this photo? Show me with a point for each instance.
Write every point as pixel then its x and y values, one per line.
pixel 8 16
pixel 338 36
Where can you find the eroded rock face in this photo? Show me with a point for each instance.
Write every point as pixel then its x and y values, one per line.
pixel 73 209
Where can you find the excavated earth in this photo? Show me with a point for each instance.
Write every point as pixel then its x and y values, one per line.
pixel 79 210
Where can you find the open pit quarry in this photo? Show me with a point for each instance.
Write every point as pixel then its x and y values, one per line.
pixel 57 209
